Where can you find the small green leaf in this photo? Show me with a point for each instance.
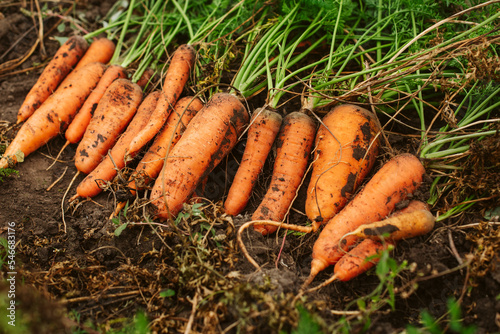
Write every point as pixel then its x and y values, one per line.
pixel 493 213
pixel 307 324
pixel 61 27
pixel 167 293
pixel 430 323
pixel 120 229
pixel 361 304
pixel 141 323
pixel 61 40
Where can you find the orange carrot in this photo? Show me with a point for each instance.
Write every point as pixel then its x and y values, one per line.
pixel 77 128
pixel 100 50
pixel 394 182
pixel 359 259
pixel 146 77
pixel 113 113
pixel 55 113
pixel 346 149
pixel 209 137
pixel 404 226
pixel 57 69
pixel 261 135
pixel 151 164
pixel 78 125
pixel 177 75
pixel 295 141
pixel 355 262
pixel 362 256
pixel 107 169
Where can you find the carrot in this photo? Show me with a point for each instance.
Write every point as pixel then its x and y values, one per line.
pixel 394 182
pixel 404 226
pixel 146 77
pixel 55 113
pixel 261 135
pixel 57 69
pixel 78 125
pixel 77 128
pixel 294 143
pixel 359 259
pixel 177 75
pixel 107 169
pixel 355 261
pixel 115 110
pixel 362 256
pixel 151 164
pixel 346 149
pixel 197 196
pixel 100 50
pixel 209 137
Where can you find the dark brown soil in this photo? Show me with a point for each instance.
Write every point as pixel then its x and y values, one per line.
pixel 74 273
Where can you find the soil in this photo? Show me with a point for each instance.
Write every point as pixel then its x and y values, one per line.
pixel 75 274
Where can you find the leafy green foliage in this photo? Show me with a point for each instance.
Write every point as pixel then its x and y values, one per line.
pixel 387 270
pixel 431 325
pixel 117 221
pixel 307 324
pixel 6 172
pixel 4 251
pixel 139 324
pixel 308 9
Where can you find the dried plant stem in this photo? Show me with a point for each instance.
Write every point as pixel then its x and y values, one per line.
pixel 58 179
pixel 303 229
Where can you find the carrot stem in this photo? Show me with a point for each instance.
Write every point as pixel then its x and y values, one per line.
pixel 119 44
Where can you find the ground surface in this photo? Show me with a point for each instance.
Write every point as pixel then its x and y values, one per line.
pixel 194 276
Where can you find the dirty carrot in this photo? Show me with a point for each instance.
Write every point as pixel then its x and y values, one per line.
pixel 54 115
pixel 363 256
pixel 346 149
pixel 208 138
pixel 146 77
pixel 175 79
pixel 114 160
pixel 397 179
pixel 412 221
pixel 294 145
pixel 100 50
pixel 78 125
pixel 57 69
pixel 113 113
pixel 354 263
pixel 77 128
pixel 151 164
pixel 359 259
pixel 261 135
pixel 403 226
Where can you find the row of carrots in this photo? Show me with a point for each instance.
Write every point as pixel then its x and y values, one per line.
pixel 95 105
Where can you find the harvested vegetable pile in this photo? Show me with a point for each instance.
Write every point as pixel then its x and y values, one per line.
pixel 259 166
